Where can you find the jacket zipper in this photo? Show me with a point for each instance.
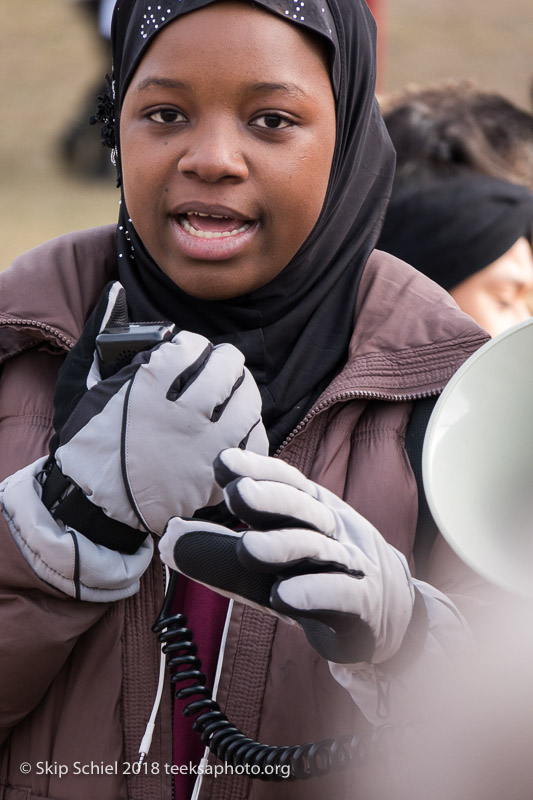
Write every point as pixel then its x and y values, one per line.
pixel 354 394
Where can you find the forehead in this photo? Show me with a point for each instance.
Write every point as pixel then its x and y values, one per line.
pixel 136 30
pixel 516 265
pixel 233 37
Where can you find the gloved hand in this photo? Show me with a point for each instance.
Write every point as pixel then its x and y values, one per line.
pixel 307 556
pixel 140 444
pixel 130 452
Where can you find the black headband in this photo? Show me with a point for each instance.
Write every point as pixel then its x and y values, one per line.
pixel 451 228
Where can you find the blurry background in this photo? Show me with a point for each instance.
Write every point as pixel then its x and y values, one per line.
pixel 51 58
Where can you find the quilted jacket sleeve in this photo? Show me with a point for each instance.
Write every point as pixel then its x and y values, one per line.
pixel 39 625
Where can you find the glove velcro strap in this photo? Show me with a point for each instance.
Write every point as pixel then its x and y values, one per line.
pixel 77 511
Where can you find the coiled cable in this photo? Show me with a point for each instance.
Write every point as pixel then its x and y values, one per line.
pixel 225 740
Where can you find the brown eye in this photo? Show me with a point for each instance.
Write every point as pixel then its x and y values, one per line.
pixel 272 121
pixel 167 116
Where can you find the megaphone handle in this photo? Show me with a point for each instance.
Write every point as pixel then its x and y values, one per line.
pixel 426 529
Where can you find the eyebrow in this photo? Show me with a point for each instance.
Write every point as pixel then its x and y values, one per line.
pixel 287 88
pixel 290 89
pixel 520 284
pixel 162 83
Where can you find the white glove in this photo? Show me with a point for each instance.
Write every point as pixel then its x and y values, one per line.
pixel 61 556
pixel 141 444
pixel 308 556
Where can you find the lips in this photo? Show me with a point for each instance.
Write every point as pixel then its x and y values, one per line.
pixel 212 233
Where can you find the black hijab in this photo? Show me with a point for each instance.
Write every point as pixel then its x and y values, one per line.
pixel 294 332
pixel 450 228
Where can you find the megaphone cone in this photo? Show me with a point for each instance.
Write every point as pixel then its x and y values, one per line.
pixel 478 461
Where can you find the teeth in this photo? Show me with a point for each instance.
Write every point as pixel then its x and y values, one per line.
pixel 212 234
pixel 199 214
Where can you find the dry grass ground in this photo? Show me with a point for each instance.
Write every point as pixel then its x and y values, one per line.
pixel 48 59
pixel 487 40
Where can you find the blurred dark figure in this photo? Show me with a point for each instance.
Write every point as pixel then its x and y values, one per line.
pixel 80 145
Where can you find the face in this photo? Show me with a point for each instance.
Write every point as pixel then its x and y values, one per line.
pixel 497 296
pixel 227 135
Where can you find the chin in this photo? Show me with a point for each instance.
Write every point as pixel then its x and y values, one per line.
pixel 213 281
pixel 209 290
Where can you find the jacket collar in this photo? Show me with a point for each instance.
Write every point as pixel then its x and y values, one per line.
pixel 409 335
pixel 47 293
pixel 409 338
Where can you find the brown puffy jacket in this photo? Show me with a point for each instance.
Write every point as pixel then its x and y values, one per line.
pixel 77 680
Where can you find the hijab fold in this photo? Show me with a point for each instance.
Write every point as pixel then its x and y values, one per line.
pixel 295 331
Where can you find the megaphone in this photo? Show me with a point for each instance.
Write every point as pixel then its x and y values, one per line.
pixel 477 461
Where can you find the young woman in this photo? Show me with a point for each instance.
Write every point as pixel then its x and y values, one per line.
pixel 255 172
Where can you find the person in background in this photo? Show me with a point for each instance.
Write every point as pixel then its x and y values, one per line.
pixel 105 15
pixel 459 211
pixel 80 147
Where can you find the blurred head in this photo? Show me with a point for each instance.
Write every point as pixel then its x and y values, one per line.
pixel 455 126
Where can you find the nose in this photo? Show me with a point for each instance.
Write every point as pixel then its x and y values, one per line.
pixel 212 153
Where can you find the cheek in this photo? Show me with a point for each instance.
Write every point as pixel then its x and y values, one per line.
pixel 497 322
pixel 133 174
pixel 489 314
pixel 144 190
pixel 476 303
pixel 142 168
pixel 301 191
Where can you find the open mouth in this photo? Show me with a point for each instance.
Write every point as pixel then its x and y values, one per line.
pixel 214 236
pixel 212 226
